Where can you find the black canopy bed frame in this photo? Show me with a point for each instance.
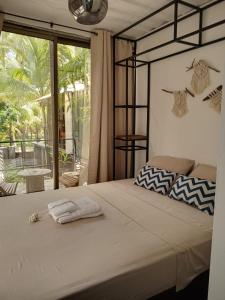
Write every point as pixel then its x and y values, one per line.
pixel 130 141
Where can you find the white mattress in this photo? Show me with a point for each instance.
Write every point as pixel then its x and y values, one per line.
pixel 144 244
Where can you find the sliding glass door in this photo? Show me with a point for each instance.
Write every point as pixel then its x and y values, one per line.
pixel 28 112
pixel 74 113
pixel 25 132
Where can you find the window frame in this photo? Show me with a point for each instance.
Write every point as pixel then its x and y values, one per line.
pixel 55 38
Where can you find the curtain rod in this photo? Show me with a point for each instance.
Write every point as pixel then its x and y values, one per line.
pixel 51 24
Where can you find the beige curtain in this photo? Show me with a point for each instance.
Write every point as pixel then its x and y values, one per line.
pixel 100 153
pixel 124 49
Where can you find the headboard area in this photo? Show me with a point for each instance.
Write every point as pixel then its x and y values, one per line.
pixel 195 134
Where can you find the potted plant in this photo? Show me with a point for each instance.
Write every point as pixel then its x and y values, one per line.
pixel 65 162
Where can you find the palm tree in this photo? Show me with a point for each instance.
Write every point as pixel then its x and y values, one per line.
pixel 25 77
pixel 25 67
pixel 8 118
pixel 74 64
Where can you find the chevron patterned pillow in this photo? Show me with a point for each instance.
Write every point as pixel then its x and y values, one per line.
pixel 155 179
pixel 196 192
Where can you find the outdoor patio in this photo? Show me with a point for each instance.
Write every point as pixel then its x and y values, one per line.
pixel 37 156
pixel 48 182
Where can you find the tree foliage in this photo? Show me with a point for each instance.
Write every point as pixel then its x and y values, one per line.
pixel 25 77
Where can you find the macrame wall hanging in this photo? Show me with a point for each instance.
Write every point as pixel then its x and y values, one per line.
pixel 200 79
pixel 215 98
pixel 180 107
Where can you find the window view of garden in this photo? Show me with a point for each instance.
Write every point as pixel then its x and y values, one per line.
pixel 26 107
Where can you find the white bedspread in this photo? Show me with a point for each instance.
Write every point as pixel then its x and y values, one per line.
pixel 144 244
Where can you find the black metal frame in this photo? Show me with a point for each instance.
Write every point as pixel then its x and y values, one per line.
pixel 133 62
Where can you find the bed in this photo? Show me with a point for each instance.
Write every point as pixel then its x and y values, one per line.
pixel 144 244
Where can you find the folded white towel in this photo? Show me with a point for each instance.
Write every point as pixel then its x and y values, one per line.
pixel 83 207
pixel 59 207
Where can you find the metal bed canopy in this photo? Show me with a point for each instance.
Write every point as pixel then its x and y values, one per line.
pixel 175 23
pixel 133 62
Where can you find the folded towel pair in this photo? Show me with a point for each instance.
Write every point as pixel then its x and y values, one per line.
pixel 66 210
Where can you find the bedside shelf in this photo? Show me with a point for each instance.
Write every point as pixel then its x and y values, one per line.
pixel 131 148
pixel 132 137
pixel 125 131
pixel 130 106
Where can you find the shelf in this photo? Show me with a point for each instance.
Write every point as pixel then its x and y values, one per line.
pixel 128 106
pixel 125 62
pixel 130 148
pixel 131 106
pixel 133 137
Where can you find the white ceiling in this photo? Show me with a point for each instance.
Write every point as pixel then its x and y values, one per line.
pixel 121 13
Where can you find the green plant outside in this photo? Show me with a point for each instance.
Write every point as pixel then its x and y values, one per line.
pixel 25 77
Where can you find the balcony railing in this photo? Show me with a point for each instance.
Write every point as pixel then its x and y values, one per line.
pixel 35 153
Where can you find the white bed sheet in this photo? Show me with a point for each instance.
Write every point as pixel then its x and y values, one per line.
pixel 144 244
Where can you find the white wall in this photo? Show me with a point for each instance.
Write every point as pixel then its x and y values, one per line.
pixel 217 273
pixel 195 135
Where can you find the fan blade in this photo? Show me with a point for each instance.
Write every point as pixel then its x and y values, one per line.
pixel 76 7
pixel 96 5
pixel 90 18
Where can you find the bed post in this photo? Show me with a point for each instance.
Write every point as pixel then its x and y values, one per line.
pixel 114 103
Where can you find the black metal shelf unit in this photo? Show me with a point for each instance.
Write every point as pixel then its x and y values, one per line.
pixel 133 62
pixel 129 140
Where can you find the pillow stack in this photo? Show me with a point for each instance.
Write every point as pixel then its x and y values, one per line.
pixel 204 172
pixel 196 192
pixel 168 176
pixel 181 166
pixel 159 174
pixel 155 179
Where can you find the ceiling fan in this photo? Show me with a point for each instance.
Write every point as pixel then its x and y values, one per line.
pixel 88 12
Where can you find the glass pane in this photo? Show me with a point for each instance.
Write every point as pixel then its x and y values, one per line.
pixel 25 112
pixel 74 114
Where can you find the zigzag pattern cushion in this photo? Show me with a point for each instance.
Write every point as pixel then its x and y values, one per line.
pixel 155 179
pixel 196 192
